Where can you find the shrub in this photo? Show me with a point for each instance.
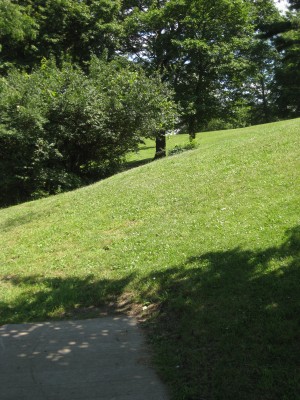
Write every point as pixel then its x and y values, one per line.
pixel 62 128
pixel 181 148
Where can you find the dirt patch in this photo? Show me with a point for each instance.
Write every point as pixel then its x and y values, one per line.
pixel 123 305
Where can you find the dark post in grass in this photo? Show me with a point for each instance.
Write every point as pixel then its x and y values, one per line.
pixel 160 145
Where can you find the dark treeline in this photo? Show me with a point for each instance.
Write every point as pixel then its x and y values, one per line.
pixel 84 81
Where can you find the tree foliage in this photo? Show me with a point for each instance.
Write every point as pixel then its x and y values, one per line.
pixel 61 128
pixel 58 28
pixel 285 35
pixel 17 30
pixel 205 49
pixel 70 121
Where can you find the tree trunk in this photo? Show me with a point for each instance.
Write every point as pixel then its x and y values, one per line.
pixel 191 127
pixel 192 135
pixel 160 145
pixel 265 102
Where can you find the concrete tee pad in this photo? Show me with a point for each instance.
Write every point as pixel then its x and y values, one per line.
pixel 103 359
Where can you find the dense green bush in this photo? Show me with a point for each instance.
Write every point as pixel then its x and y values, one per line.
pixel 62 128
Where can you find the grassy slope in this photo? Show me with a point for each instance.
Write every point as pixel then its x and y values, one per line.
pixel 146 151
pixel 211 235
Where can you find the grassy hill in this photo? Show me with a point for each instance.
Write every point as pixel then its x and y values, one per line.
pixel 205 243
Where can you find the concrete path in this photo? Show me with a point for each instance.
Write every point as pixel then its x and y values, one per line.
pixel 103 359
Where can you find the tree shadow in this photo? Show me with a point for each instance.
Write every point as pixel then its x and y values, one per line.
pixel 229 323
pixel 60 298
pixel 226 326
pixel 147 148
pixel 11 223
pixel 136 163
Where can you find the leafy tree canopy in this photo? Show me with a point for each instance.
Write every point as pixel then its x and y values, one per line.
pixel 285 35
pixel 59 28
pixel 61 128
pixel 203 48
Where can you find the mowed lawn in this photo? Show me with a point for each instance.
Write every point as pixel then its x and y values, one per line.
pixel 205 242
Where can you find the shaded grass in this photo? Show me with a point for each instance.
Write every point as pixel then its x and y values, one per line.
pixel 227 327
pixel 211 237
pixel 146 151
pixel 42 298
pixel 229 324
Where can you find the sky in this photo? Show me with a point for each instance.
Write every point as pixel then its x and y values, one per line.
pixel 282 5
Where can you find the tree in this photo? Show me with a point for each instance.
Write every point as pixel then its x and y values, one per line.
pixel 288 73
pixel 62 28
pixel 202 48
pixel 62 128
pixel 294 4
pixel 257 88
pixel 285 35
pixel 17 30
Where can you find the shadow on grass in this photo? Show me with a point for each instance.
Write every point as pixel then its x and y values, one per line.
pixel 55 298
pixel 136 163
pixel 11 223
pixel 147 148
pixel 229 324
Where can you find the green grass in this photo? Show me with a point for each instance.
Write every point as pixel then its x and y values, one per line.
pixel 146 151
pixel 211 237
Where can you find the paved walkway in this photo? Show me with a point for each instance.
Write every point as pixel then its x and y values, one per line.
pixel 103 359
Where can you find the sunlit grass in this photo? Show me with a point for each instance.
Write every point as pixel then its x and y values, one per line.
pixel 211 237
pixel 146 151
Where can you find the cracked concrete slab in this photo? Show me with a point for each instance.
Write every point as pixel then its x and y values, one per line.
pixel 97 359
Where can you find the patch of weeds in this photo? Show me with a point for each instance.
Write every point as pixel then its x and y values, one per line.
pixel 181 148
